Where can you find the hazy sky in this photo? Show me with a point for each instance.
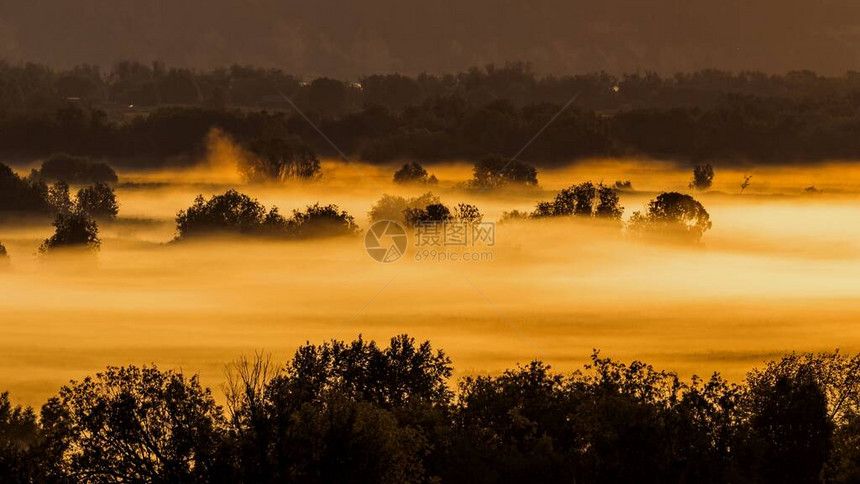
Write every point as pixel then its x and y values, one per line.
pixel 349 38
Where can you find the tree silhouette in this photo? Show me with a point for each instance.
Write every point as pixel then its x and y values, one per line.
pixel 322 221
pixel 74 230
pixel 391 207
pixel 20 440
pixel 58 197
pixel 232 212
pixel 22 195
pixel 133 424
pixel 414 173
pixel 98 200
pixel 672 216
pixel 585 200
pixel 279 159
pixel 433 213
pixel 494 172
pixel 75 169
pixel 703 177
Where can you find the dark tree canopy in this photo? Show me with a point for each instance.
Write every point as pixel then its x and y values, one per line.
pixel 99 201
pixel 234 213
pixel 703 177
pixel 359 412
pixel 74 230
pixel 586 200
pixel 495 172
pixel 135 424
pixel 59 198
pixel 278 160
pixel 433 213
pixel 413 172
pixel 393 207
pixel 22 195
pixel 670 216
pixel 75 169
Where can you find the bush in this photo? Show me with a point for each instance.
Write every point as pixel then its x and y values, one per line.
pixel 99 201
pixel 74 229
pixel 433 213
pixel 76 169
pixel 671 216
pixel 414 173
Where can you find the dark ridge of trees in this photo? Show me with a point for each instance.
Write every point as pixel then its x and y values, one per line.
pixel 349 412
pixel 278 160
pixel 699 117
pixel 234 213
pixel 4 256
pixel 413 172
pixel 98 200
pixel 74 229
pixel 703 177
pixel 671 216
pixel 62 167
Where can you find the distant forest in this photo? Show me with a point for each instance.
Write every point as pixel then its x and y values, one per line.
pixel 145 115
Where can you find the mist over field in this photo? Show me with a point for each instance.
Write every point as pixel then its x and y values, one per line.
pixel 776 273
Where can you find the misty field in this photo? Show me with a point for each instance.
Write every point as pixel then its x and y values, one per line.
pixel 777 272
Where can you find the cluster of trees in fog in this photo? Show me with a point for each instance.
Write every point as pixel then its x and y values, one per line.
pixel 699 116
pixel 358 412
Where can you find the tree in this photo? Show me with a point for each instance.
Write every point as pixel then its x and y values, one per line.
pixel 99 201
pixel 671 216
pixel 131 424
pixel 58 197
pixel 22 195
pixel 75 169
pixel 20 439
pixel 278 160
pixel 465 212
pixel 414 173
pixel 74 230
pixel 495 172
pixel 4 256
pixel 322 221
pixel 392 207
pixel 433 213
pixel 232 212
pixel 703 177
pixel 585 200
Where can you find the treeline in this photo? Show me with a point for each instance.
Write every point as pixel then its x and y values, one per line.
pixel 707 115
pixel 358 412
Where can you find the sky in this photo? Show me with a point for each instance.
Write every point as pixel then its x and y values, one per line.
pixel 347 39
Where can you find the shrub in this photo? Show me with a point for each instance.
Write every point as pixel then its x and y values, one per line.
pixel 321 221
pixel 391 207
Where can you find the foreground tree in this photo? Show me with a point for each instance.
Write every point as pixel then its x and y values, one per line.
pixel 134 424
pixel 58 197
pixel 671 216
pixel 20 440
pixel 414 173
pixel 230 213
pixel 703 177
pixel 74 230
pixel 98 200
